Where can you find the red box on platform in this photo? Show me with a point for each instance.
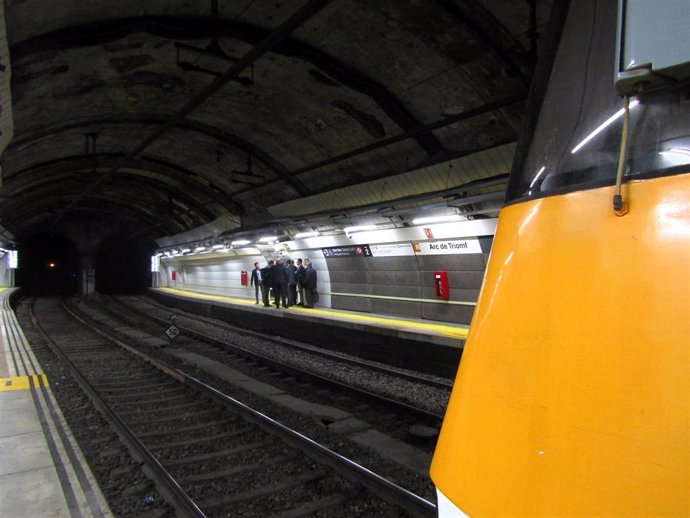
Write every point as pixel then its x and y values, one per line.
pixel 441 288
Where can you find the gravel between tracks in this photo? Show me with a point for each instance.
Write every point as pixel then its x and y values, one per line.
pixel 427 397
pixel 128 491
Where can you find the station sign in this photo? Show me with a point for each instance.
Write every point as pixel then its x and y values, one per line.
pixel 448 247
pixel 438 247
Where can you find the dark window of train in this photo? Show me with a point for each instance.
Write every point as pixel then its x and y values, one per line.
pixel 580 98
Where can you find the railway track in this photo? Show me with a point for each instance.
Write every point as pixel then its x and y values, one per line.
pixel 151 308
pixel 209 454
pixel 307 362
pixel 404 405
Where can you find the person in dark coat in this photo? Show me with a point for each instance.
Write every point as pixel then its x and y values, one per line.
pixel 309 284
pixel 280 284
pixel 291 269
pixel 267 282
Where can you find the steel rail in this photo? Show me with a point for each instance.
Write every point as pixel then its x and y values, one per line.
pixel 386 490
pixel 164 482
pixel 293 344
pixel 298 372
pixel 381 487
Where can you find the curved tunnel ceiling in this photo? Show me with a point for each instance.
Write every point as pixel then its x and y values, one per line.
pixel 125 114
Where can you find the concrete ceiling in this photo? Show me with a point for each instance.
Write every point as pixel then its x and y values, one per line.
pixel 161 117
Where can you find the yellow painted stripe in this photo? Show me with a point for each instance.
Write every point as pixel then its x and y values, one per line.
pixel 450 331
pixel 205 296
pixel 23 382
pixel 406 325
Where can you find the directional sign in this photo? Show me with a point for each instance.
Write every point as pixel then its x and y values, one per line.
pixel 347 251
pixel 172 332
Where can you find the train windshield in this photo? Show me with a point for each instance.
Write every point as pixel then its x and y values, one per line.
pixel 577 139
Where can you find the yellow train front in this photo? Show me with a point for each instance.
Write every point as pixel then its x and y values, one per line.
pixel 573 394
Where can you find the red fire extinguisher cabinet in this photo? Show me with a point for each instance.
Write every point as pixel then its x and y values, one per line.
pixel 441 288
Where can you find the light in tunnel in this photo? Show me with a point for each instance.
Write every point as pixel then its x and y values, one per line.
pixel 436 219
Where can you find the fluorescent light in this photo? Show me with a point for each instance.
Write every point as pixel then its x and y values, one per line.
pixel 200 249
pixel 241 242
pixel 185 250
pixel 12 259
pixel 436 219
pixel 217 247
pixel 306 234
pixel 155 263
pixel 359 228
pixel 604 125
pixel 543 168
pixel 678 151
pixel 267 239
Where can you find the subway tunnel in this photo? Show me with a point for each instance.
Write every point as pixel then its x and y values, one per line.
pixel 129 130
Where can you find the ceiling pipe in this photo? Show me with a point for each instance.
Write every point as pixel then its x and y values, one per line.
pixel 307 11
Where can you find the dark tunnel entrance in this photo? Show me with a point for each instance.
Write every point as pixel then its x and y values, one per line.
pixel 123 266
pixel 48 265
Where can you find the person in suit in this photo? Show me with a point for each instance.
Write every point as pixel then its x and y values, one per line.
pixel 309 284
pixel 280 283
pixel 291 269
pixel 299 278
pixel 267 282
pixel 256 281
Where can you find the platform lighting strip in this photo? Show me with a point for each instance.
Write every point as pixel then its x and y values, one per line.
pixel 301 235
pixel 272 239
pixel 359 228
pixel 436 219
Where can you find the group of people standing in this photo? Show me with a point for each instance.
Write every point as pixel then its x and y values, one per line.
pixel 285 280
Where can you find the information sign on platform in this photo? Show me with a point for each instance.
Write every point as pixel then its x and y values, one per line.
pixel 347 251
pixel 392 249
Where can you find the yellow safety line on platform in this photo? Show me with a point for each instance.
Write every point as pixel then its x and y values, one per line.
pixel 23 382
pixel 444 330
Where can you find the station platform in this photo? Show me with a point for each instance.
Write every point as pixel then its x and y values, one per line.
pixel 43 472
pixel 422 345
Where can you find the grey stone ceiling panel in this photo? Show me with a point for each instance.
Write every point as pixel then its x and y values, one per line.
pixel 356 98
